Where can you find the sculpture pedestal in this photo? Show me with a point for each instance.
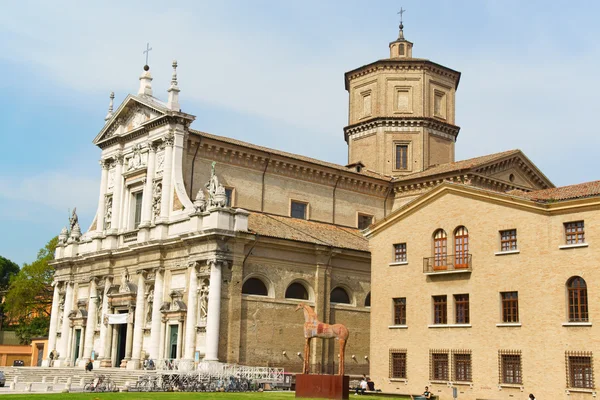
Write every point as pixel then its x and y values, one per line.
pixel 322 386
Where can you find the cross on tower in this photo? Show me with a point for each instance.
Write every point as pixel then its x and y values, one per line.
pixel 402 11
pixel 148 48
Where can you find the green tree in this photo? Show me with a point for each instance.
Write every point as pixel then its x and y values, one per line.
pixel 7 270
pixel 29 295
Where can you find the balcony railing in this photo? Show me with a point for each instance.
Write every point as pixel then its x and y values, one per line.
pixel 447 264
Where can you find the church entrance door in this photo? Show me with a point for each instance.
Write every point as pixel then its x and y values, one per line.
pixel 174 332
pixel 121 341
pixel 77 345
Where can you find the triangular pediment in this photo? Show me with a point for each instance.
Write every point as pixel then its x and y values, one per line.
pixel 516 170
pixel 133 113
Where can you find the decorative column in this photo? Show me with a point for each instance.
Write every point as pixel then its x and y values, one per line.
pixel 90 326
pixel 179 338
pixel 138 329
pixel 129 340
pixel 192 313
pixel 148 187
pixel 105 329
pixel 53 323
pixel 66 329
pixel 213 319
pixel 116 212
pixel 167 188
pixel 101 206
pixel 155 333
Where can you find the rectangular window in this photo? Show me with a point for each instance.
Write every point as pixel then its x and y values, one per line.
pixel 229 197
pixel 462 366
pixel 439 104
pixel 400 252
pixel 137 198
pixel 580 373
pixel 364 221
pixel 397 364
pixel 440 310
pixel 508 240
pixel 461 305
pixel 574 232
pixel 299 210
pixel 400 311
pixel 510 306
pixel 510 367
pixel 439 367
pixel 401 156
pixel 366 97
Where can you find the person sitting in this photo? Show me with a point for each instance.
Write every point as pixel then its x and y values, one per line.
pixel 362 387
pixel 427 393
pixel 89 366
pixel 370 385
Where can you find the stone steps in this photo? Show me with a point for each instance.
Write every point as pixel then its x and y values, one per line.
pixel 37 374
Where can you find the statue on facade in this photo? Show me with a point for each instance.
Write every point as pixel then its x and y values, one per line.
pixel 203 301
pixel 200 201
pixel 124 287
pixel 315 328
pixel 217 196
pixel 156 199
pixel 108 212
pixel 64 235
pixel 136 159
pixel 73 220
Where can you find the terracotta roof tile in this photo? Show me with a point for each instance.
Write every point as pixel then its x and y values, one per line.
pixel 364 172
pixel 587 189
pixel 306 231
pixel 458 165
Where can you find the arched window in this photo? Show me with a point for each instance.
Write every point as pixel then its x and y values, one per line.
pixel 461 247
pixel 368 300
pixel 255 286
pixel 578 305
pixel 440 250
pixel 339 295
pixel 296 291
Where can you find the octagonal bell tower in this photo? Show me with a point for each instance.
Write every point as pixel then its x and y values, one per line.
pixel 401 112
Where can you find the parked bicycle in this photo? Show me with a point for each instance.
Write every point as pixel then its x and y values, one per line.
pixel 100 383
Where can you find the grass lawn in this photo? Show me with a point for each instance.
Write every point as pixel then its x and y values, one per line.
pixel 162 396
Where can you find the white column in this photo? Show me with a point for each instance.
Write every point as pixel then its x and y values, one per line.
pixel 118 189
pixel 53 324
pixel 92 317
pixel 138 327
pixel 103 326
pixel 191 317
pixel 101 201
pixel 179 338
pixel 213 319
pixel 66 329
pixel 167 189
pixel 155 333
pixel 148 187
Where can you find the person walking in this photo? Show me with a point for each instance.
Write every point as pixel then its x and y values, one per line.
pixel 427 393
pixel 531 396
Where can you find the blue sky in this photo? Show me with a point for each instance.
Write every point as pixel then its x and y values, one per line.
pixel 271 73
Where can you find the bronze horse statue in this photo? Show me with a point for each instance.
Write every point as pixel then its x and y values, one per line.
pixel 314 328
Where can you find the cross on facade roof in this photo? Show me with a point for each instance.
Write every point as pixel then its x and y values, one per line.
pixel 402 11
pixel 148 48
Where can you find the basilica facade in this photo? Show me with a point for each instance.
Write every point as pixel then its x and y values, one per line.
pixel 202 246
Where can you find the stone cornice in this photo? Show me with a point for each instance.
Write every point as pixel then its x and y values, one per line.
pixel 144 129
pixel 441 128
pixel 280 165
pixel 401 64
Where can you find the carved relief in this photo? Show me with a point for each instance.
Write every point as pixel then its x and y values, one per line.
pixel 160 161
pixel 139 115
pixel 136 160
pixel 156 199
pixel 111 179
pixel 124 286
pixel 108 206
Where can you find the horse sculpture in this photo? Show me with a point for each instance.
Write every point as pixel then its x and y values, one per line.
pixel 314 328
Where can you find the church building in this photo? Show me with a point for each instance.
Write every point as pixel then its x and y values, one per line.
pixel 202 246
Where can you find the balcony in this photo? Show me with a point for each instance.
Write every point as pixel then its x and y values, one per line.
pixel 451 264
